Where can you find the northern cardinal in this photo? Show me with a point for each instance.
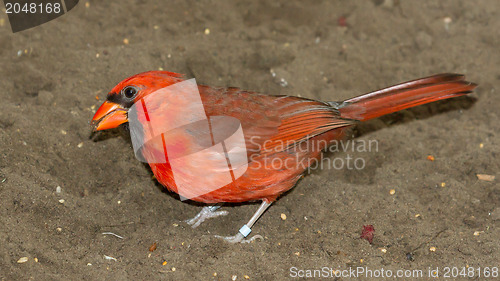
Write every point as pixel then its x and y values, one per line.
pixel 268 122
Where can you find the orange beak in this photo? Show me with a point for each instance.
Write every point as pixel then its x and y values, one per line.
pixel 109 115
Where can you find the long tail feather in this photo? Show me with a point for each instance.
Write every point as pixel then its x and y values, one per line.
pixel 405 95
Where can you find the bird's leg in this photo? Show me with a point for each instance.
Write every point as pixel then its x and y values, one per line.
pixel 207 212
pixel 246 229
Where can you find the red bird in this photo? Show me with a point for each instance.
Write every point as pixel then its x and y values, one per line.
pixel 268 122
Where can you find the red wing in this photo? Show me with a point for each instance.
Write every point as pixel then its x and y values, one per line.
pixel 272 122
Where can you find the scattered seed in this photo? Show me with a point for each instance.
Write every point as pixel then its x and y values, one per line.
pixel 64 132
pixel 164 263
pixel 58 189
pixel 59 229
pixel 97 55
pixel 481 145
pixel 297 254
pixel 283 216
pixel 215 274
pixel 79 145
pixel 477 233
pixel 89 264
pixel 156 27
pixel 61 201
pixel 361 260
pixel 234 277
pixel 383 250
pixel 392 191
pixel 125 41
pixel 87 5
pixel 485 177
pixel 110 258
pixel 246 276
pixel 432 249
pixel 152 248
pixel 430 158
pixel 22 260
pixel 173 269
pixel 207 31
pixel 36 259
pixel 417 215
pixel 443 184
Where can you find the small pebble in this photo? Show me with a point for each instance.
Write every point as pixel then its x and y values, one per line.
pixel 59 229
pixel 495 215
pixel 44 98
pixel 173 269
pixel 61 201
pixel 283 216
pixel 89 264
pixel 234 277
pixel 58 189
pixel 22 260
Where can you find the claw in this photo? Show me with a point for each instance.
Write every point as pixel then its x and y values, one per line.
pixel 205 213
pixel 238 238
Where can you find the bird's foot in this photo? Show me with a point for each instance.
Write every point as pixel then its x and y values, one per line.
pixel 239 238
pixel 205 213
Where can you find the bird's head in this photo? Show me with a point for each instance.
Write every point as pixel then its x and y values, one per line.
pixel 113 112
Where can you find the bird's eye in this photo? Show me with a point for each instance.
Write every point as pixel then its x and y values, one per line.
pixel 129 92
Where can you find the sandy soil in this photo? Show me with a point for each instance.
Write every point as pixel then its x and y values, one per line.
pixel 49 93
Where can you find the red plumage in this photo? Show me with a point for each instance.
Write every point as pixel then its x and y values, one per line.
pixel 275 128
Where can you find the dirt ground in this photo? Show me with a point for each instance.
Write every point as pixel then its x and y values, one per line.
pixel 53 77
